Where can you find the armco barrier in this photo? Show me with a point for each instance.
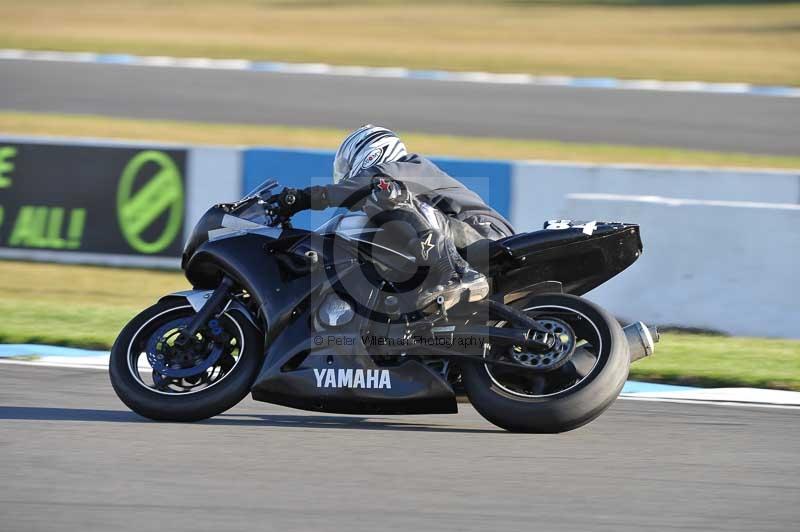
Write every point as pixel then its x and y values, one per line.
pixel 721 247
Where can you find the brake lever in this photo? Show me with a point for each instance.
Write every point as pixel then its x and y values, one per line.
pixel 273 210
pixel 277 219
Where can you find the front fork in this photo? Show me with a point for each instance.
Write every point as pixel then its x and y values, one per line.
pixel 212 307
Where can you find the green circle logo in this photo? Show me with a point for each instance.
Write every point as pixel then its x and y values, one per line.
pixel 162 192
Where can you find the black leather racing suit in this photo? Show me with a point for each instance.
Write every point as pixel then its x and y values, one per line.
pixel 430 185
pixel 439 212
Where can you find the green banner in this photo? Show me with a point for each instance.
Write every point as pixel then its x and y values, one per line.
pixel 109 200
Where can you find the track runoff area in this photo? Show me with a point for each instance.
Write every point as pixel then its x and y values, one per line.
pixel 74 458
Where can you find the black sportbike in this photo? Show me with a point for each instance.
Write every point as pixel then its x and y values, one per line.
pixel 325 320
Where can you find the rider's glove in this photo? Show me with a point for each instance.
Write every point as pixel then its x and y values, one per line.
pixel 387 192
pixel 291 200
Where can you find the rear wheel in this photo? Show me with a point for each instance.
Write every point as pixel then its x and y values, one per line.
pixel 562 389
pixel 158 379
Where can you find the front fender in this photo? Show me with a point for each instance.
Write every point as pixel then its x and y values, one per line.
pixel 197 299
pixel 251 261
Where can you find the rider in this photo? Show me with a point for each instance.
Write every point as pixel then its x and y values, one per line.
pixel 372 171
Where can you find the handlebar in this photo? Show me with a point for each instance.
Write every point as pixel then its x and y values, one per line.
pixel 263 195
pixel 279 207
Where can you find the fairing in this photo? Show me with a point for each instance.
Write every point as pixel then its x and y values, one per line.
pixel 285 288
pixel 286 302
pixel 295 359
pixel 577 260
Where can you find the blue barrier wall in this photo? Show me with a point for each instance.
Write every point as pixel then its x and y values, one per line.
pixel 296 168
pixel 301 168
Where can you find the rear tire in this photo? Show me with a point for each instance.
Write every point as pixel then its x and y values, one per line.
pixel 203 404
pixel 563 410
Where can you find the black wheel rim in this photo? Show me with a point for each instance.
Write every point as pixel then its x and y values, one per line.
pixel 156 363
pixel 584 360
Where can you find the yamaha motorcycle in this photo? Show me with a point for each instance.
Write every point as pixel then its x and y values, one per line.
pixel 325 320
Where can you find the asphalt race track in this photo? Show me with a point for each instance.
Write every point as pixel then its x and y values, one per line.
pixel 733 122
pixel 74 459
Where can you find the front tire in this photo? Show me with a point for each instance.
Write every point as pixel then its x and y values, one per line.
pixel 171 402
pixel 566 399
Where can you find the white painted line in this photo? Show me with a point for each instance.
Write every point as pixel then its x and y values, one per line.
pixel 635 397
pixel 44 364
pixel 99 362
pixel 682 202
pixel 734 395
pixel 661 167
pixel 399 72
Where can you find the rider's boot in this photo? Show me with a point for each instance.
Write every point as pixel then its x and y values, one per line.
pixel 451 277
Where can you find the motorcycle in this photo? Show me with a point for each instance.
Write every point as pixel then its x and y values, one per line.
pixel 325 320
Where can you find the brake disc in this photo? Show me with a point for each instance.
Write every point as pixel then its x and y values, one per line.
pixel 557 356
pixel 169 361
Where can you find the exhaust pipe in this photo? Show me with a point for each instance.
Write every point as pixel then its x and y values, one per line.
pixel 641 339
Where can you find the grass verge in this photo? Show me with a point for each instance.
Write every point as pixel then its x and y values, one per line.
pixel 714 361
pixel 83 306
pixel 492 148
pixel 77 306
pixel 753 41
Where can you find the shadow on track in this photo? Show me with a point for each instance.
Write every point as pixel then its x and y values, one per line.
pixel 245 420
pixel 34 413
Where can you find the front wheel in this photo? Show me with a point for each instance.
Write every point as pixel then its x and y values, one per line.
pixel 158 379
pixel 559 390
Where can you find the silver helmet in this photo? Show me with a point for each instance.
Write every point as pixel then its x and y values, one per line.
pixel 366 146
